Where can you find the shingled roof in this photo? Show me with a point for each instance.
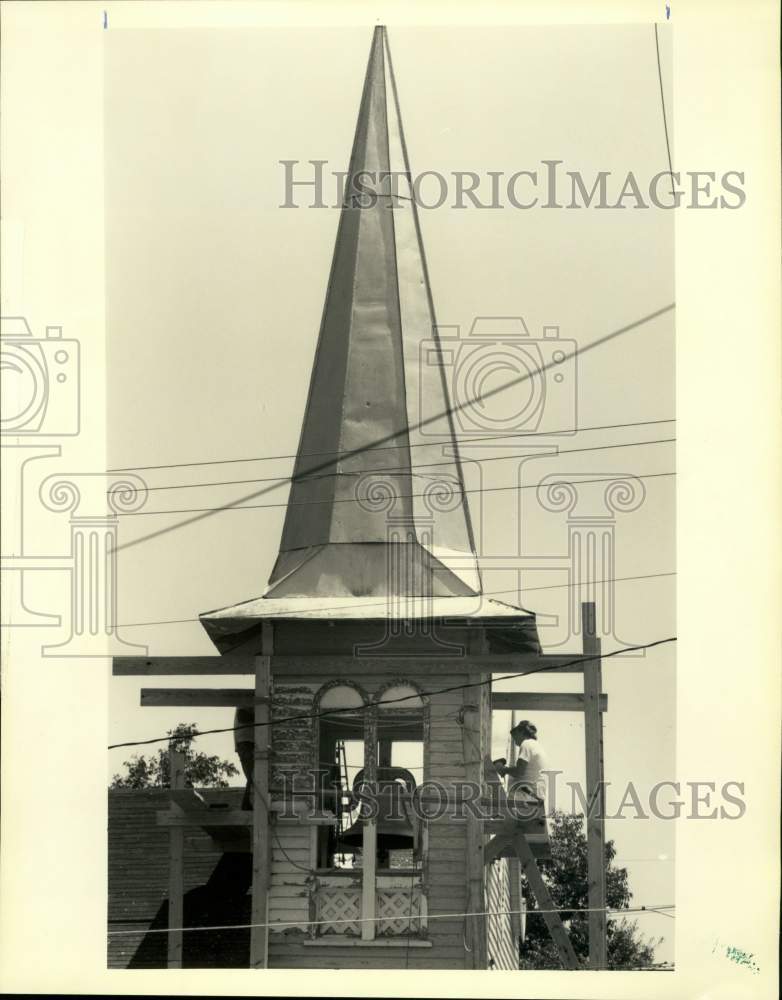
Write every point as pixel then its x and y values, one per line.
pixel 217 887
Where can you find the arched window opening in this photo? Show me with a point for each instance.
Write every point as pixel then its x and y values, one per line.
pixel 399 737
pixel 341 696
pixel 340 756
pixel 378 743
pixel 400 697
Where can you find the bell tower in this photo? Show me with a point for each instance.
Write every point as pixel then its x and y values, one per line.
pixel 372 649
pixel 373 606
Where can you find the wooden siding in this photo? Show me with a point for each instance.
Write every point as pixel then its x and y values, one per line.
pixel 503 948
pixel 293 747
pixel 289 891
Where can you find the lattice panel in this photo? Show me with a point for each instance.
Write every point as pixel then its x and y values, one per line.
pixel 340 910
pixel 397 913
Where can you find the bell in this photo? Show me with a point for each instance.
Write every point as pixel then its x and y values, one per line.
pixel 396 824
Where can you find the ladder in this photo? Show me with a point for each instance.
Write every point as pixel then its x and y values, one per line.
pixel 512 838
pixel 343 813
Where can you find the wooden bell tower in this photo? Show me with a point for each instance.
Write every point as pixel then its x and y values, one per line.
pixel 373 647
pixel 445 902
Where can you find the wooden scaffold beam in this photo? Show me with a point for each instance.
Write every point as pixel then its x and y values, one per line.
pixel 176 875
pixel 535 701
pixel 593 737
pixel 261 844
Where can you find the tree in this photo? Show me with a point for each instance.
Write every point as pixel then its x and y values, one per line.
pixel 566 878
pixel 201 769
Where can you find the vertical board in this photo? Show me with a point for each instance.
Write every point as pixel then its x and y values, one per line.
pixel 473 741
pixel 595 793
pixel 259 934
pixel 368 878
pixel 176 765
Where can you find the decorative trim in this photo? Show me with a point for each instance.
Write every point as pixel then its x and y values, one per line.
pixel 339 682
pixel 401 682
pixel 341 941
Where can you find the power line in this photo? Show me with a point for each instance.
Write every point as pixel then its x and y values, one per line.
pixel 486 593
pixel 238 505
pixel 430 916
pixel 392 701
pixel 164 621
pixel 304 477
pixel 393 447
pixel 662 103
pixel 601 341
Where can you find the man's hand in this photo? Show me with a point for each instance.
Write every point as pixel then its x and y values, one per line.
pixel 499 765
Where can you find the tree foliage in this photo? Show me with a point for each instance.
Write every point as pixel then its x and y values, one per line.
pixel 201 770
pixel 566 878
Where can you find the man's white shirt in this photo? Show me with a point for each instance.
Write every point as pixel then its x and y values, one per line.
pixel 534 759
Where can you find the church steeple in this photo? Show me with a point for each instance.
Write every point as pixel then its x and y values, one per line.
pixel 377 504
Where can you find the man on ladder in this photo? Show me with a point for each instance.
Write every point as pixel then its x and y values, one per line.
pixel 529 770
pixel 526 821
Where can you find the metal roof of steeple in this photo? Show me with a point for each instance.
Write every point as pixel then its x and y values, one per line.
pixel 377 524
pixel 377 401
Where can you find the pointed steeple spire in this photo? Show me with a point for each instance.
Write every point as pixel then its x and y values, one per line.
pixel 377 502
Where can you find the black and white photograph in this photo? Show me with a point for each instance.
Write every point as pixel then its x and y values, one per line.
pixel 372 533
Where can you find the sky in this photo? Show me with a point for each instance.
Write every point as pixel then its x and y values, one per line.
pixel 214 296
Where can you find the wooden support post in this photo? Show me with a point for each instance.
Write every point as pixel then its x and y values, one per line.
pixel 595 792
pixel 514 869
pixel 259 934
pixel 514 897
pixel 368 880
pixel 176 874
pixel 545 903
pixel 476 895
pixel 473 747
pixel 369 833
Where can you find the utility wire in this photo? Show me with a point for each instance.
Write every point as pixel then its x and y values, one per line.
pixel 430 916
pixel 336 455
pixel 486 593
pixel 662 103
pixel 391 701
pixel 237 505
pixel 600 341
pixel 304 477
